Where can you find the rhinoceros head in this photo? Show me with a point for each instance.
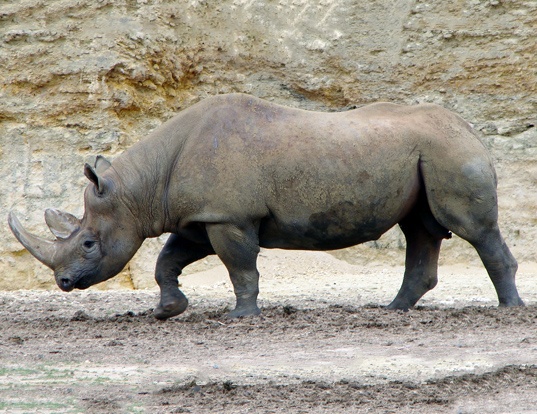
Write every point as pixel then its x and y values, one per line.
pixel 90 250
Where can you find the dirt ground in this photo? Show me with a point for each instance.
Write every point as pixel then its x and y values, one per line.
pixel 323 345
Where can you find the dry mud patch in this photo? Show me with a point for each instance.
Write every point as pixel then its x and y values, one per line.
pixel 322 345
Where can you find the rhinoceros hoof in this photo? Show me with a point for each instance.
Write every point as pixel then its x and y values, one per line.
pixel 398 307
pixel 516 301
pixel 244 311
pixel 170 309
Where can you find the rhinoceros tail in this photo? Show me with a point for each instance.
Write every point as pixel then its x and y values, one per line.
pixel 427 217
pixel 431 224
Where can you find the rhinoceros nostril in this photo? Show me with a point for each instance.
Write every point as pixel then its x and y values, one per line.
pixel 65 283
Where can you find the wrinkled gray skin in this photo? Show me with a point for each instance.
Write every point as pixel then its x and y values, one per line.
pixel 234 173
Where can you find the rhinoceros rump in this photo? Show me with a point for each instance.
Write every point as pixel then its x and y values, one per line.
pixel 234 173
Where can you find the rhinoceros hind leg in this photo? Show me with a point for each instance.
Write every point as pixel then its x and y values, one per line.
pixel 485 237
pixel 467 204
pixel 238 248
pixel 175 255
pixel 500 264
pixel 421 264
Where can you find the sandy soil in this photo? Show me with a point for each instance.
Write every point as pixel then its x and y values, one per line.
pixel 323 345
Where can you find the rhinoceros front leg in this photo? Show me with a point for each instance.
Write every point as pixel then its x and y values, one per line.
pixel 238 248
pixel 175 255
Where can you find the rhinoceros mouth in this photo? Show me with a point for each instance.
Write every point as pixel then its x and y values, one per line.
pixel 82 284
pixel 67 284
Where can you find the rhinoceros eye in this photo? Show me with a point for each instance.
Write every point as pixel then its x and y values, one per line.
pixel 88 244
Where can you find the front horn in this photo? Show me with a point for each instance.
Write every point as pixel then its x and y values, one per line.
pixel 42 249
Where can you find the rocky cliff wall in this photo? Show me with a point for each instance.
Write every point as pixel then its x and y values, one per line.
pixel 85 77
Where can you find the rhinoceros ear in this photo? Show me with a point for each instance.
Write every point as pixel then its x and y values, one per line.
pixel 101 164
pixel 61 224
pixel 92 175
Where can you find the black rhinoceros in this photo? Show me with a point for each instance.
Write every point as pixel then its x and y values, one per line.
pixel 234 173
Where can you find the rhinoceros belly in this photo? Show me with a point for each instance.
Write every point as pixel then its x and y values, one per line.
pixel 340 226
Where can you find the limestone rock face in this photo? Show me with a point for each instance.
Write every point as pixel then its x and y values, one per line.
pixel 82 77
